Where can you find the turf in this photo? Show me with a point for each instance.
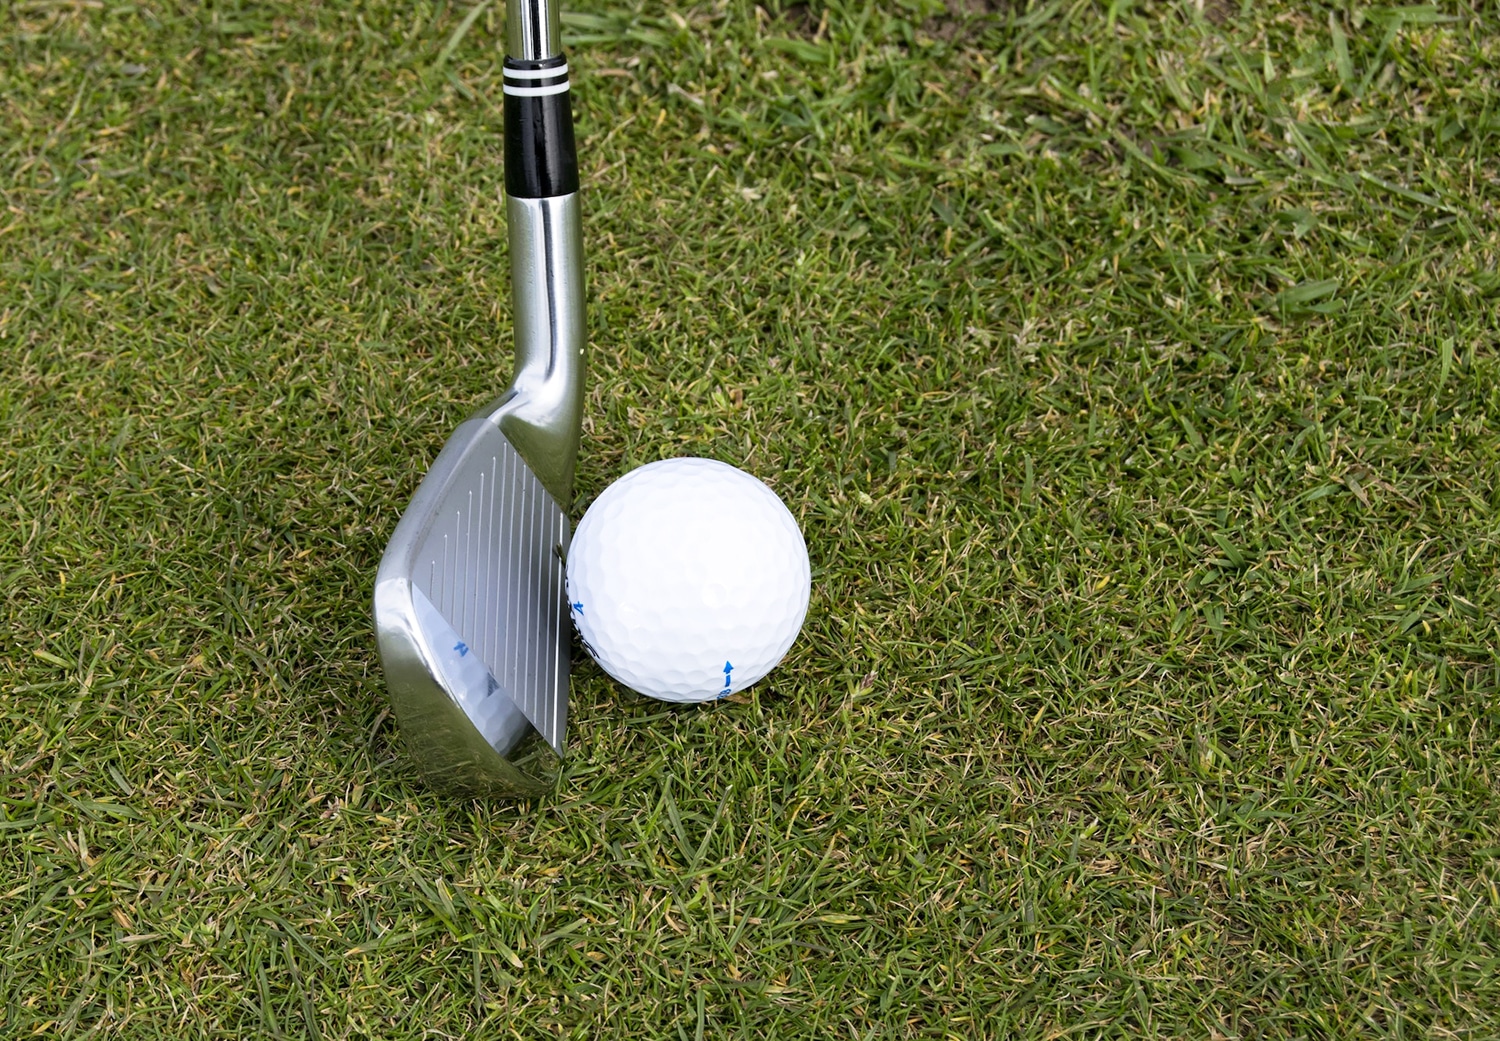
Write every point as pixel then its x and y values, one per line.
pixel 1131 369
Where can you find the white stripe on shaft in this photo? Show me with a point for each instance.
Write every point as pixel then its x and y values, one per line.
pixel 536 74
pixel 536 92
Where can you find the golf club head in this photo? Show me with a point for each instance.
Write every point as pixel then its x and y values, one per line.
pixel 470 606
pixel 471 621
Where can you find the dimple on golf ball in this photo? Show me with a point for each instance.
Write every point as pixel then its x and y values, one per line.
pixel 688 580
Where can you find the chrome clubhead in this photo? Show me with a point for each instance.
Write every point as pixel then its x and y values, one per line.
pixel 470 605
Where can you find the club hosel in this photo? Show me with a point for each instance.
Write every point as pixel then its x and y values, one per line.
pixel 545 404
pixel 545 407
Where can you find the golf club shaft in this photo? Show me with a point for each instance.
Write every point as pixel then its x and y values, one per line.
pixel 531 30
pixel 546 248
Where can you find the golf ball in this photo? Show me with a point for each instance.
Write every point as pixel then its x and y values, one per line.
pixel 688 580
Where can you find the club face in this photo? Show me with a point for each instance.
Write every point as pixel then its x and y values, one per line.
pixel 471 618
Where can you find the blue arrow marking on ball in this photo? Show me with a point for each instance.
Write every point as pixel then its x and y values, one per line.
pixel 728 668
pixel 462 648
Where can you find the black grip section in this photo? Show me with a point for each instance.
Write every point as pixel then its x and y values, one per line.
pixel 541 160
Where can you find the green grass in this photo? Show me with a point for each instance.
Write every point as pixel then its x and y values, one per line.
pixel 1132 371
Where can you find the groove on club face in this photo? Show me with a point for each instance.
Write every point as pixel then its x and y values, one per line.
pixel 471 616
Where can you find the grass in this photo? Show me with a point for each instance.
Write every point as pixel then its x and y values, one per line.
pixel 1131 369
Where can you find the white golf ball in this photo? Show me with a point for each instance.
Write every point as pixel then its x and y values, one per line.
pixel 688 580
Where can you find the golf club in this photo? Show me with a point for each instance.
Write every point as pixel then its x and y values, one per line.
pixel 470 611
